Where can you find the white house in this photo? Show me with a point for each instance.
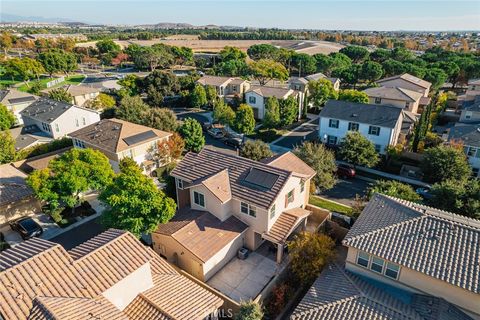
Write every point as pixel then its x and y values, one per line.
pixel 57 119
pixel 471 113
pixel 469 136
pixel 380 124
pixel 257 96
pixel 16 101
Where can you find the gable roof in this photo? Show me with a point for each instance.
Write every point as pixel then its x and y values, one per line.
pixel 219 185
pixel 75 90
pixel 469 134
pixel 115 135
pixel 214 80
pixel 341 295
pixel 13 186
pixel 394 93
pixel 439 244
pixel 269 92
pixel 290 162
pixel 39 279
pixel 408 77
pixel 13 96
pixel 373 114
pixel 196 167
pixel 47 110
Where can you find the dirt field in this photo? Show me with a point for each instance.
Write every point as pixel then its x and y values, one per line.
pixel 211 46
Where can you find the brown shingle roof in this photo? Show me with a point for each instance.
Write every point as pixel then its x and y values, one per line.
pixel 110 134
pixel 290 162
pixel 439 244
pixel 285 224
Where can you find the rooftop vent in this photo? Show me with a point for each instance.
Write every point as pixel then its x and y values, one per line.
pixel 354 115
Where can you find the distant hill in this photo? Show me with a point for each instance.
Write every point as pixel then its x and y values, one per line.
pixel 6 17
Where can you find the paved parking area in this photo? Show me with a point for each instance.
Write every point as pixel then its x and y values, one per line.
pixel 346 190
pixel 244 279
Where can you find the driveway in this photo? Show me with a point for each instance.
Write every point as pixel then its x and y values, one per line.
pixel 346 190
pixel 80 234
pixel 306 131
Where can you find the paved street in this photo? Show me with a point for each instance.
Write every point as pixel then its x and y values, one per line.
pixel 307 131
pixel 346 190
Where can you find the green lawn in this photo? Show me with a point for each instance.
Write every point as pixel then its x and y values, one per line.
pixel 267 135
pixel 75 79
pixel 329 205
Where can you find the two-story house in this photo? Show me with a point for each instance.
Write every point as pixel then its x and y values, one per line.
pixel 16 101
pixel 381 124
pixel 471 112
pixel 57 119
pixel 226 87
pixel 472 93
pixel 406 81
pixel 257 97
pixel 469 135
pixel 417 249
pixel 80 93
pixel 118 139
pixel 301 84
pixel 227 202
pixel 394 96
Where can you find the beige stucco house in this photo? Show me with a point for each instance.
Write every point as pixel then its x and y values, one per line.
pixel 118 139
pixel 301 84
pixel 16 101
pixel 227 202
pixel 418 249
pixel 395 96
pixel 407 81
pixel 226 87
pixel 257 97
pixel 80 93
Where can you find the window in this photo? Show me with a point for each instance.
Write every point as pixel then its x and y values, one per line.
pixel 57 128
pixel 84 121
pixel 289 197
pixel 333 123
pixel 392 270
pixel 248 209
pixel 252 100
pixel 78 143
pixel 471 151
pixel 179 183
pixel 407 105
pixel 374 130
pixel 377 264
pixel 272 211
pixel 332 140
pixel 362 259
pixel 378 148
pixel 302 186
pixel 199 199
pixel 76 123
pixel 468 114
pixel 378 100
pixel 234 88
pixel 353 126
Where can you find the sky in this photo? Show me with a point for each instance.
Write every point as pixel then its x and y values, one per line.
pixel 302 14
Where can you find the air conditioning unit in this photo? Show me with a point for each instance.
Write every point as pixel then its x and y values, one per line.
pixel 242 253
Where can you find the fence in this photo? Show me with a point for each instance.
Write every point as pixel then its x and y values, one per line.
pixel 54 82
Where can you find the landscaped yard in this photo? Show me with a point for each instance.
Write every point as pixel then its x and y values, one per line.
pixel 330 205
pixel 267 135
pixel 75 79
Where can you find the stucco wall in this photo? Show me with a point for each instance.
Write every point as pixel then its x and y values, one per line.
pixel 222 257
pixel 400 83
pixel 67 122
pixel 212 204
pixel 12 211
pixel 413 106
pixel 259 103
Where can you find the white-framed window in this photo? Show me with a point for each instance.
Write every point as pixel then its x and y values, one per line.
pixel 373 130
pixel 248 209
pixel 252 99
pixel 353 126
pixel 378 100
pixel 378 148
pixel 79 143
pixel 57 129
pixel 272 211
pixel 76 123
pixel 180 184
pixel 199 199
pixel 363 258
pixel 472 152
pixel 377 264
pixel 468 114
pixel 392 270
pixel 302 186
pixel 289 197
pixel 84 121
pixel 332 140
pixel 333 123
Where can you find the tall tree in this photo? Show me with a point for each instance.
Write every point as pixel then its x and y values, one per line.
pixel 223 113
pixel 107 46
pixel 191 131
pixel 232 53
pixel 271 118
pixel 6 42
pixel 358 150
pixel 288 111
pixel 23 68
pixel 57 60
pixel 7 147
pixel 60 94
pixel 321 160
pixel 198 97
pixel 7 119
pixel 371 71
pixel 320 91
pixel 265 70
pixel 353 96
pixel 263 51
pixel 161 118
pixel 132 109
pixel 444 163
pixel 462 197
pixel 170 149
pixel 395 189
pixel 134 202
pixel 256 150
pixel 304 64
pixel 244 119
pixel 356 53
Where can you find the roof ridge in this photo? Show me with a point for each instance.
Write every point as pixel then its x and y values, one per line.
pixel 156 306
pixel 104 245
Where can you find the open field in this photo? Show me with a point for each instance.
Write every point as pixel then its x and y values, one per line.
pixel 211 46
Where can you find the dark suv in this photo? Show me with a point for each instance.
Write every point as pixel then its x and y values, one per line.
pixel 345 171
pixel 27 227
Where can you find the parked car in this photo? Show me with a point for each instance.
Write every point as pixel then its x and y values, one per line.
pixel 424 192
pixel 206 125
pixel 234 142
pixel 216 133
pixel 345 171
pixel 26 227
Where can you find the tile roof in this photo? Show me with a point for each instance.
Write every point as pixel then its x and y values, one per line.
pixel 290 162
pixel 219 185
pixel 315 76
pixel 394 93
pixel 285 224
pixel 141 309
pixel 213 80
pixel 373 114
pixel 40 280
pixel 469 134
pixel 202 233
pixel 39 162
pixel 408 77
pixel 439 244
pixel 47 110
pixel 197 166
pixel 13 186
pixel 268 92
pixel 13 96
pixel 341 295
pixel 75 90
pixel 112 134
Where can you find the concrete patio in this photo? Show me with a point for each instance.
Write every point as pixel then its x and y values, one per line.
pixel 244 279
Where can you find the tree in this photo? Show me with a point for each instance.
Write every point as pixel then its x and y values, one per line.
pixel 129 85
pixel 263 51
pixel 223 113
pixel 57 60
pixel 211 94
pixel 232 53
pixel 68 176
pixel 102 101
pixel 108 46
pixel 324 63
pixel 132 109
pixel 249 310
pixel 457 196
pixel 6 42
pixel 321 160
pixel 395 189
pixel 304 63
pixel 320 91
pixel 393 67
pixel 256 150
pixel 265 70
pixel 371 71
pixel 445 163
pixel 244 119
pixel 358 150
pixel 356 53
pixel 232 68
pixel 163 82
pixel 60 94
pixel 151 58
pixel 309 253
pixel 288 111
pixel 349 75
pixel 198 97
pixel 340 61
pixel 160 118
pixel 191 131
pixel 171 148
pixel 271 118
pixel 7 147
pixel 7 119
pixel 134 202
pixel 436 76
pixel 353 96
pixel 23 68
